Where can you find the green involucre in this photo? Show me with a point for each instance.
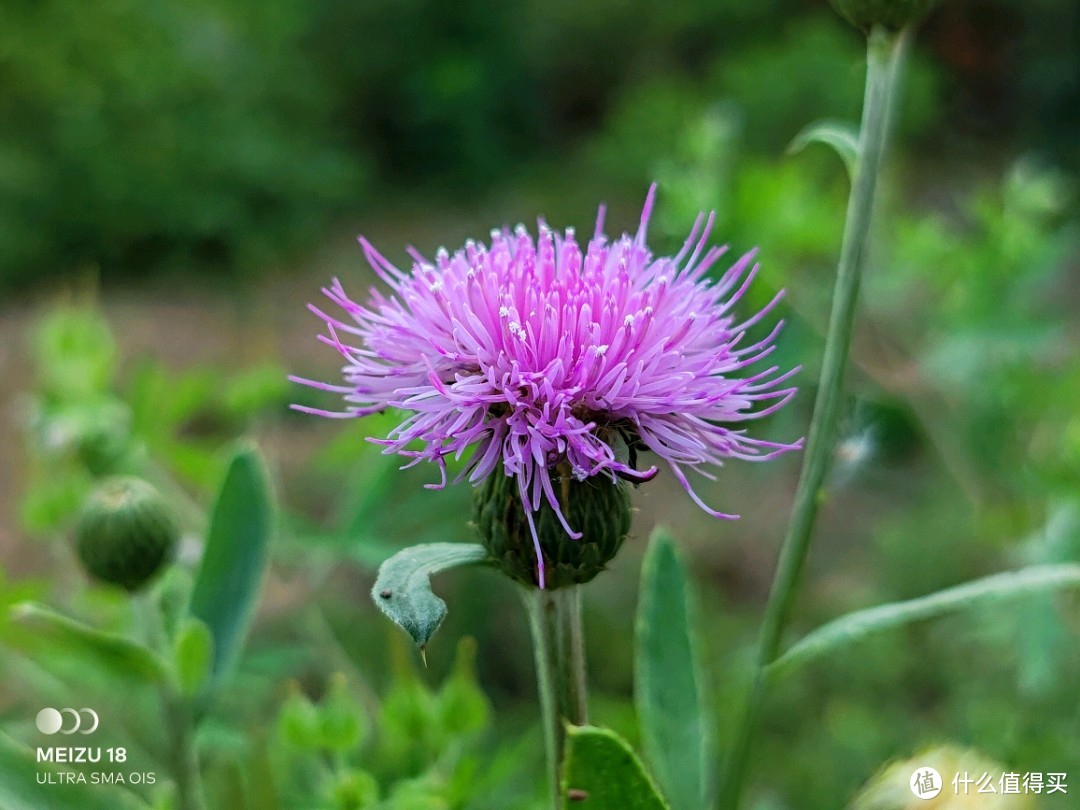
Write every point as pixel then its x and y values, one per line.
pixel 596 507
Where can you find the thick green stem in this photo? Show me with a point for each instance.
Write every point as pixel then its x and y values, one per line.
pixel 558 645
pixel 885 56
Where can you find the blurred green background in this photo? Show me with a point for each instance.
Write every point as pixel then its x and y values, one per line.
pixel 178 179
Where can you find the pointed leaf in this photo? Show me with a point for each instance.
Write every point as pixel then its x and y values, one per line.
pixel 227 586
pixel 841 136
pixel 403 587
pixel 35 627
pixel 856 626
pixel 601 772
pixel 668 678
pixel 20 789
pixel 193 654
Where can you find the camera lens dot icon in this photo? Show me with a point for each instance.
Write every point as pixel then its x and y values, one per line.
pixel 49 721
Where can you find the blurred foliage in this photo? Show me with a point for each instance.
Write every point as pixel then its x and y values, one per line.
pixel 137 134
pixel 216 134
pixel 84 424
pixel 418 748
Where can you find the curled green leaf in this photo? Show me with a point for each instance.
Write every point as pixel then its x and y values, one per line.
pixel 403 587
pixel 841 136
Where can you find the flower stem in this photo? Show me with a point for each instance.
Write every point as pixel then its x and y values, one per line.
pixel 177 711
pixel 885 56
pixel 558 644
pixel 184 760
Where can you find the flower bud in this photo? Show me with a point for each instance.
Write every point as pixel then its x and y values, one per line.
pixel 298 720
pixel 126 532
pixel 597 507
pixel 893 14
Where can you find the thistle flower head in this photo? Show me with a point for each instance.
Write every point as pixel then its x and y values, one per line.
pixel 540 359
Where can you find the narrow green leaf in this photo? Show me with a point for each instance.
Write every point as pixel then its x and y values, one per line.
pixel 841 136
pixel 35 627
pixel 858 625
pixel 668 678
pixel 403 587
pixel 193 655
pixel 21 790
pixel 227 586
pixel 601 772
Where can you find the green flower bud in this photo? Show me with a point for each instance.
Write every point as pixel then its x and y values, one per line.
pixel 462 707
pixel 894 14
pixel 298 721
pixel 355 790
pixel 125 533
pixel 341 718
pixel 596 507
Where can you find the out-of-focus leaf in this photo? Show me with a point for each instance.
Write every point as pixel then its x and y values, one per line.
pixel 855 626
pixel 76 352
pixel 668 678
pixel 403 588
pixel 341 717
pixel 256 389
pixel 1044 637
pixel 602 773
pixel 34 627
pixel 20 790
pixel 193 654
pixel 367 551
pixel 967 356
pixel 409 732
pixel 237 543
pixel 356 788
pixel 299 719
pixel 841 136
pixel 463 708
pixel 161 399
pixel 52 500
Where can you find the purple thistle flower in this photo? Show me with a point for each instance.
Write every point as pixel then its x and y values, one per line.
pixel 535 355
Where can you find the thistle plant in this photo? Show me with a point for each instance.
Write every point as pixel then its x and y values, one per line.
pixel 564 377
pixel 563 373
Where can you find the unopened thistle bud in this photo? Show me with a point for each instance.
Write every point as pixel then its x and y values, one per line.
pixel 596 507
pixel 126 533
